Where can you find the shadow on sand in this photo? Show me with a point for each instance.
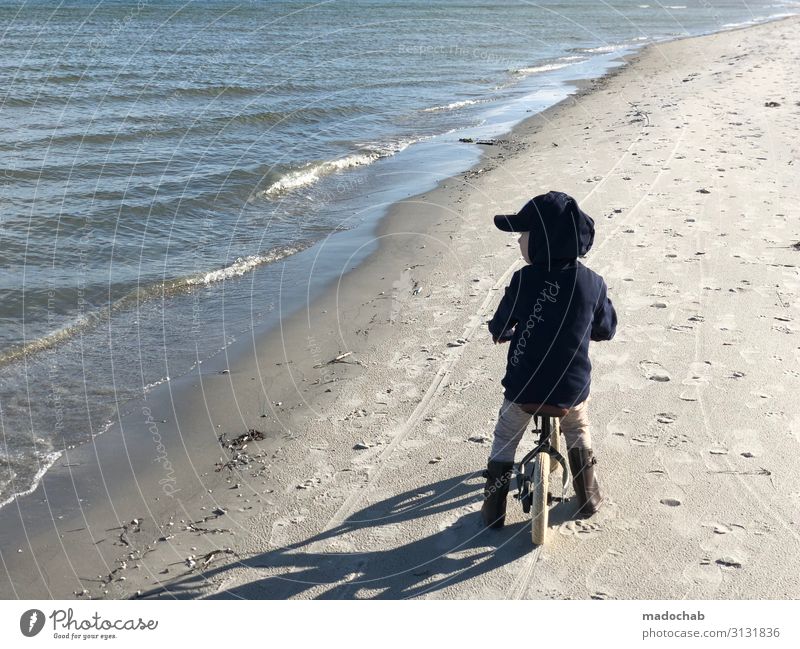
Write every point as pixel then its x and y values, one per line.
pixel 460 551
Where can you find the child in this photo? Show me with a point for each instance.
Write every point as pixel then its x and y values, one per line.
pixel 550 311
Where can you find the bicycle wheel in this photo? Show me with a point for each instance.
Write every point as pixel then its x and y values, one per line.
pixel 555 440
pixel 539 508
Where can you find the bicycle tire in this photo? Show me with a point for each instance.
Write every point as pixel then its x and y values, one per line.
pixel 539 507
pixel 555 440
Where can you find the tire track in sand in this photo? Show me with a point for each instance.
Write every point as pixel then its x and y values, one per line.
pixel 434 389
pixel 520 585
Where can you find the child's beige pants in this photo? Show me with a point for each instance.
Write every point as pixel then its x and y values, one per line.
pixel 513 421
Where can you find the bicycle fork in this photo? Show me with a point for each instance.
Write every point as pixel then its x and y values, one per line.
pixel 524 469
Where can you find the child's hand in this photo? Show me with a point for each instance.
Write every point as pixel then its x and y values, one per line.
pixel 505 337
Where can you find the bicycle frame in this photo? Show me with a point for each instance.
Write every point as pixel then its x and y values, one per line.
pixel 543 445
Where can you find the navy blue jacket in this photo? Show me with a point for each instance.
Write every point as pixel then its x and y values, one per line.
pixel 556 305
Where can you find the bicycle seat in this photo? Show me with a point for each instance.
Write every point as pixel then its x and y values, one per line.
pixel 543 409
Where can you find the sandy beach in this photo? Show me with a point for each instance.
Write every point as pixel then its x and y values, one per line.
pixel 367 483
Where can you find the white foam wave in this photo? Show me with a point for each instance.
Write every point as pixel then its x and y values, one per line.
pixel 44 465
pixel 313 172
pixel 49 340
pixel 541 68
pixel 603 49
pixel 454 105
pixel 757 21
pixel 155 384
pixel 243 265
pixel 65 333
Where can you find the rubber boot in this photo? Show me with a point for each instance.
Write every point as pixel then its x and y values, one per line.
pixel 498 481
pixel 581 465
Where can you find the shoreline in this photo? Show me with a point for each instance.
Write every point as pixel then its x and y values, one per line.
pixel 366 229
pixel 360 298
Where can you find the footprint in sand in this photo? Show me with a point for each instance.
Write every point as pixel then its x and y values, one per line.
pixel 645 439
pixel 616 428
pixel 703 579
pixel 619 430
pixel 699 374
pixel 448 409
pixel 674 441
pixel 653 371
pixel 458 387
pixel 619 379
pixel 678 465
pixel 551 594
pixel 579 528
pixel 435 428
pixel 284 530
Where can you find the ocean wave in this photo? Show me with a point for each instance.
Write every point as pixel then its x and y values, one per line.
pixel 143 129
pixel 757 21
pixel 314 171
pixel 219 91
pixel 602 49
pixel 454 105
pixel 44 466
pixel 558 64
pixel 237 268
pixel 548 67
pixel 244 265
pixel 52 339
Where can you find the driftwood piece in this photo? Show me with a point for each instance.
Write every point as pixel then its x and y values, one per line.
pixel 340 359
pixel 193 562
pixel 197 526
pixel 134 525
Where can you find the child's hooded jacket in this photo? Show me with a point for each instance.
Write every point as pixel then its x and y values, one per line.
pixel 555 304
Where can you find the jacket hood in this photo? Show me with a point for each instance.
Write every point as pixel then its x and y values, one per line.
pixel 559 229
